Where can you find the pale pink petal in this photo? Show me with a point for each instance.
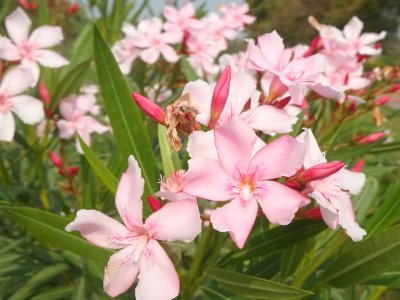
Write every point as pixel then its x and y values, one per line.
pixel 170 13
pixel 8 51
pixel 169 54
pixel 234 142
pixel 99 229
pixel 66 129
pixel 328 211
pixel 271 46
pixel 282 157
pixel 297 94
pixel 34 68
pixel 331 219
pixel 280 203
pixel 150 55
pixel 371 38
pixel 121 271
pixel 369 50
pixel 17 25
pixel 313 155
pixel 237 217
pixel 350 181
pixel 128 197
pixel 50 59
pixel 178 220
pixel 269 119
pixel 46 36
pixel 201 143
pixel 201 93
pixel 28 109
pixel 7 126
pixel 15 81
pixel 205 178
pixel 352 30
pixel 158 279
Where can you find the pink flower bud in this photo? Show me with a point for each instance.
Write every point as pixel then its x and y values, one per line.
pixel 276 89
pixel 44 93
pixel 395 88
pixel 358 166
pixel 55 159
pixel 320 171
pixel 370 138
pixel 154 203
pixel 74 8
pixel 149 108
pixel 73 171
pixel 220 96
pixel 382 100
pixel 25 4
pixel 313 213
pixel 282 103
pixel 313 47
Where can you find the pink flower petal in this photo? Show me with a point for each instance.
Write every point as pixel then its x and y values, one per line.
pixel 7 126
pixel 271 46
pixel 17 25
pixel 8 51
pixel 128 197
pixel 150 55
pixel 121 271
pixel 352 30
pixel 280 203
pixel 169 54
pixel 350 181
pixel 178 220
pixel 205 178
pixel 201 93
pixel 28 109
pixel 50 59
pixel 282 157
pixel 158 279
pixel 269 119
pixel 234 142
pixel 313 155
pixel 15 81
pixel 237 217
pixel 201 143
pixel 99 229
pixel 46 36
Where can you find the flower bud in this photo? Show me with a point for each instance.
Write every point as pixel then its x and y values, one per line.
pixel 74 8
pixel 55 159
pixel 220 96
pixel 313 213
pixel 358 166
pixel 382 100
pixel 370 138
pixel 154 203
pixel 320 171
pixel 149 108
pixel 276 90
pixel 44 93
pixel 281 104
pixel 73 171
pixel 25 4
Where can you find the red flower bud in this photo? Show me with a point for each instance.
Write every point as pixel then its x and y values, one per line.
pixel 55 159
pixel 149 108
pixel 154 203
pixel 370 138
pixel 282 103
pixel 320 171
pixel 382 100
pixel 358 166
pixel 313 213
pixel 220 96
pixel 25 4
pixel 74 8
pixel 44 93
pixel 73 171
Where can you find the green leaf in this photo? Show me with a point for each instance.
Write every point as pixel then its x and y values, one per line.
pixel 188 71
pixel 70 82
pixel 365 259
pixel 255 287
pixel 299 124
pixel 125 118
pixel 102 172
pixel 40 278
pixel 170 158
pixel 388 212
pixel 54 293
pixel 292 257
pixel 49 228
pixel 389 147
pixel 276 239
pixel 363 200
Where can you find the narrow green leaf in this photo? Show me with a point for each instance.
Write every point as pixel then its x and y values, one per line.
pixel 292 257
pixel 127 124
pixel 363 200
pixel 49 228
pixel 170 158
pixel 389 147
pixel 54 293
pixel 102 172
pixel 365 259
pixel 38 279
pixel 255 287
pixel 188 71
pixel 275 239
pixel 299 124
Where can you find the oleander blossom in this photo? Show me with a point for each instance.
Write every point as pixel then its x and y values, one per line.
pixel 29 109
pixel 333 192
pixel 140 254
pixel 77 112
pixel 243 174
pixel 31 50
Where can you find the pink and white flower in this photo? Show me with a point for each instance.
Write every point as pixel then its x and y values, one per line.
pixel 31 50
pixel 28 109
pixel 333 192
pixel 245 178
pixel 76 111
pixel 236 16
pixel 140 254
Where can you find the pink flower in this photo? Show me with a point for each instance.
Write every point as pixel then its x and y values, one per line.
pixel 236 15
pixel 153 43
pixel 245 179
pixel 140 255
pixel 31 50
pixel 172 187
pixel 181 20
pixel 293 74
pixel 75 110
pixel 28 109
pixel 333 192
